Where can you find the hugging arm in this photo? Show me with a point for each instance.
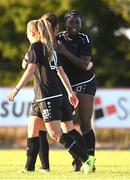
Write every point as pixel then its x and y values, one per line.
pixel 82 62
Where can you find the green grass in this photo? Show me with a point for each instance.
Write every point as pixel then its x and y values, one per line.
pixel 114 164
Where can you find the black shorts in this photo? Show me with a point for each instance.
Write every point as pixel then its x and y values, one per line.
pixel 67 109
pixel 53 109
pixel 88 87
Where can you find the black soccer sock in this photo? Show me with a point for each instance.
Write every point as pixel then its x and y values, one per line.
pixel 73 147
pixel 90 140
pixel 32 152
pixel 80 140
pixel 44 150
pixel 76 135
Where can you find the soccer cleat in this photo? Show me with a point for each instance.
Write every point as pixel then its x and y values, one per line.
pixel 88 165
pixel 26 171
pixel 44 171
pixel 94 168
pixel 76 164
pixel 23 171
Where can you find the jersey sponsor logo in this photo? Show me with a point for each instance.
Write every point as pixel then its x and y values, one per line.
pixel 53 63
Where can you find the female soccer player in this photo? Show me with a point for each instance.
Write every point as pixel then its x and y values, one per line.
pixel 75 49
pixel 45 66
pixel 37 137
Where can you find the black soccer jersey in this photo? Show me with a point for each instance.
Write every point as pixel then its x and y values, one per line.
pixel 46 80
pixel 80 46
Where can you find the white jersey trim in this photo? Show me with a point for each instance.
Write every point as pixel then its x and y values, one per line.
pixel 84 81
pixel 51 97
pixel 85 35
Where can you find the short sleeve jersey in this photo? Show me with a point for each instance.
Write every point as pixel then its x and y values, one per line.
pixel 46 80
pixel 80 46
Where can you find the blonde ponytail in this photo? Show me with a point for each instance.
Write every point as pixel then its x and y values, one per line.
pixel 44 28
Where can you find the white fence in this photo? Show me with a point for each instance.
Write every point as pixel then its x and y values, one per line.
pixel 112 108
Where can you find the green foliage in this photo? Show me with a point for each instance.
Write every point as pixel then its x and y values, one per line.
pixel 111 52
pixel 101 19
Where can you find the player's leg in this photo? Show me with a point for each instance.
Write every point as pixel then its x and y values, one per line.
pixel 52 115
pixel 53 128
pixel 44 151
pixel 86 113
pixel 34 126
pixel 37 140
pixel 67 126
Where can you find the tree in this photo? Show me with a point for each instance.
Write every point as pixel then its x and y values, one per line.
pixel 103 20
pixel 111 52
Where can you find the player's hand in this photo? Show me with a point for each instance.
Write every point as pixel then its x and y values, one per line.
pixel 12 94
pixel 55 45
pixel 90 65
pixel 73 100
pixel 61 48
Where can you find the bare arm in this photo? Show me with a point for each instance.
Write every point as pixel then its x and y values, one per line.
pixel 23 81
pixel 72 98
pixel 83 62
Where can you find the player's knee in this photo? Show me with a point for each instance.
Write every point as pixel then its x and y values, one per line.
pixel 33 130
pixel 55 135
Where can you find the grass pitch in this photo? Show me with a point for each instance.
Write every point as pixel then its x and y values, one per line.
pixel 112 164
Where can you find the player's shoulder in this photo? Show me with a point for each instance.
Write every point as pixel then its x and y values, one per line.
pixel 36 45
pixel 61 34
pixel 85 37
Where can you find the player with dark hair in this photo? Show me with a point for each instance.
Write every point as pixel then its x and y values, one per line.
pixel 44 64
pixel 75 48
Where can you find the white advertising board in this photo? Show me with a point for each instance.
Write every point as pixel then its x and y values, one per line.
pixel 112 108
pixel 15 113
